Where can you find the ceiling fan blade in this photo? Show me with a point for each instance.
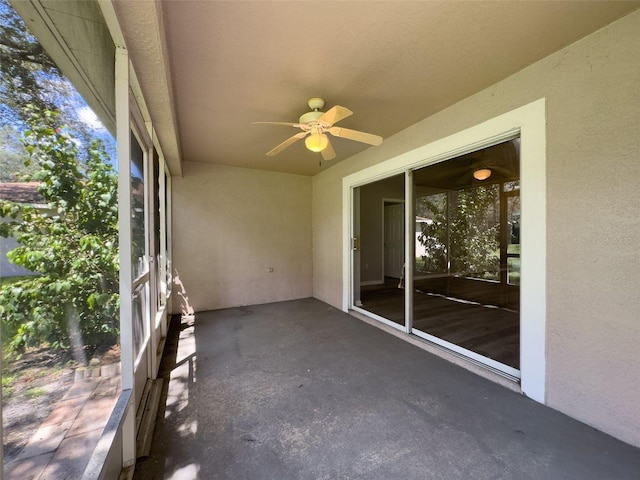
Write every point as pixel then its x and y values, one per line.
pixel 286 143
pixel 356 135
pixel 328 153
pixel 335 114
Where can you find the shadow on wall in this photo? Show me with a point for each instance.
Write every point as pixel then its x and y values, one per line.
pixel 181 292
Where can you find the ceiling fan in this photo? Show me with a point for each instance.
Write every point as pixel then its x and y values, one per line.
pixel 316 124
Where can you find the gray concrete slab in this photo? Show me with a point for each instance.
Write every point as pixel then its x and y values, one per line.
pixel 300 390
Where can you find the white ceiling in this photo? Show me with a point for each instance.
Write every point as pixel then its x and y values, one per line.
pixel 211 68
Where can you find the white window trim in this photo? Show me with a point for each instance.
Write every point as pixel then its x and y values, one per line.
pixel 530 122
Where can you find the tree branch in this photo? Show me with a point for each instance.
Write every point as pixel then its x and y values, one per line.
pixel 32 53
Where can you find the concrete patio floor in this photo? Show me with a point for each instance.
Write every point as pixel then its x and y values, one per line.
pixel 300 390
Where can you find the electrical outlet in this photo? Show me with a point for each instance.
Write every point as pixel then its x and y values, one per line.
pixel 270 270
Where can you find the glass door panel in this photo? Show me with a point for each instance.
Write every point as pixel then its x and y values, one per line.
pixel 379 258
pixel 467 253
pixel 138 237
pixel 157 233
pixel 513 238
pixel 139 307
pixel 139 264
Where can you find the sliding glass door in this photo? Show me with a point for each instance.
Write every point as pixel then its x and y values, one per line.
pixel 463 274
pixel 379 256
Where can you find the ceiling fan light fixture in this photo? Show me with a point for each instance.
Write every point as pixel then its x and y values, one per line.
pixel 316 142
pixel 482 173
pixel 315 124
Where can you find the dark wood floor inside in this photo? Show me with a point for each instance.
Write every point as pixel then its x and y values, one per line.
pixel 491 331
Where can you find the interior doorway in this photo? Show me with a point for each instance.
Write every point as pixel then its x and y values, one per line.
pixel 393 228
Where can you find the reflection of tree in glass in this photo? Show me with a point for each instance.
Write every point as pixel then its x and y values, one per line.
pixel 434 231
pixel 137 226
pixel 13 156
pixel 24 68
pixel 30 78
pixel 45 139
pixel 73 247
pixel 513 236
pixel 469 232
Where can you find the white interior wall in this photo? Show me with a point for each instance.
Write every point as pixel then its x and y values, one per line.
pixel 230 226
pixel 371 225
pixel 592 89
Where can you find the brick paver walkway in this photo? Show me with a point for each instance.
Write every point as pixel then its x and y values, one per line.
pixel 62 446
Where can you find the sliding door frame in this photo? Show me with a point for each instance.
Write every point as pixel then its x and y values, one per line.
pixel 529 123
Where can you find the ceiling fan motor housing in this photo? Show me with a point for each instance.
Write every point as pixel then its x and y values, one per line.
pixel 315 104
pixel 310 117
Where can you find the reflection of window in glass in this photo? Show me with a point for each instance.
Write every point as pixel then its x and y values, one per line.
pixel 157 227
pixel 138 263
pixel 460 232
pixel 167 247
pixel 511 186
pixel 432 233
pixel 475 232
pixel 466 284
pixel 139 325
pixel 513 238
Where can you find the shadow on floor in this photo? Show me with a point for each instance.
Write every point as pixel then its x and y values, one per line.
pixel 300 390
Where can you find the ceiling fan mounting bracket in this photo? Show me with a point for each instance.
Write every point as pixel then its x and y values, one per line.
pixel 315 103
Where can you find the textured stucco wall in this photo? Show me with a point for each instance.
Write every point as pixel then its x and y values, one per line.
pixel 592 90
pixel 230 225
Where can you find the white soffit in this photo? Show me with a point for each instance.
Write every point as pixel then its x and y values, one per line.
pixel 142 25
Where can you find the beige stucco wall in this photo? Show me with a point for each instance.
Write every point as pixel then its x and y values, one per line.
pixel 593 217
pixel 230 225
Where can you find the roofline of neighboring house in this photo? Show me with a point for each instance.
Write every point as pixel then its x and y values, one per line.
pixel 22 192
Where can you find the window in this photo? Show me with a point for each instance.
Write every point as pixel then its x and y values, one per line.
pixel 60 315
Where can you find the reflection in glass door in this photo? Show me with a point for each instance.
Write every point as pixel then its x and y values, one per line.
pixel 511 208
pixel 379 256
pixel 466 277
pixel 461 281
pixel 139 264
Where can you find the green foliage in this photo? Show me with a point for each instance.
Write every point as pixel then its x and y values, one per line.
pixel 466 229
pixel 476 244
pixel 433 235
pixel 35 392
pixel 14 159
pixel 7 380
pixel 73 246
pixel 28 76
